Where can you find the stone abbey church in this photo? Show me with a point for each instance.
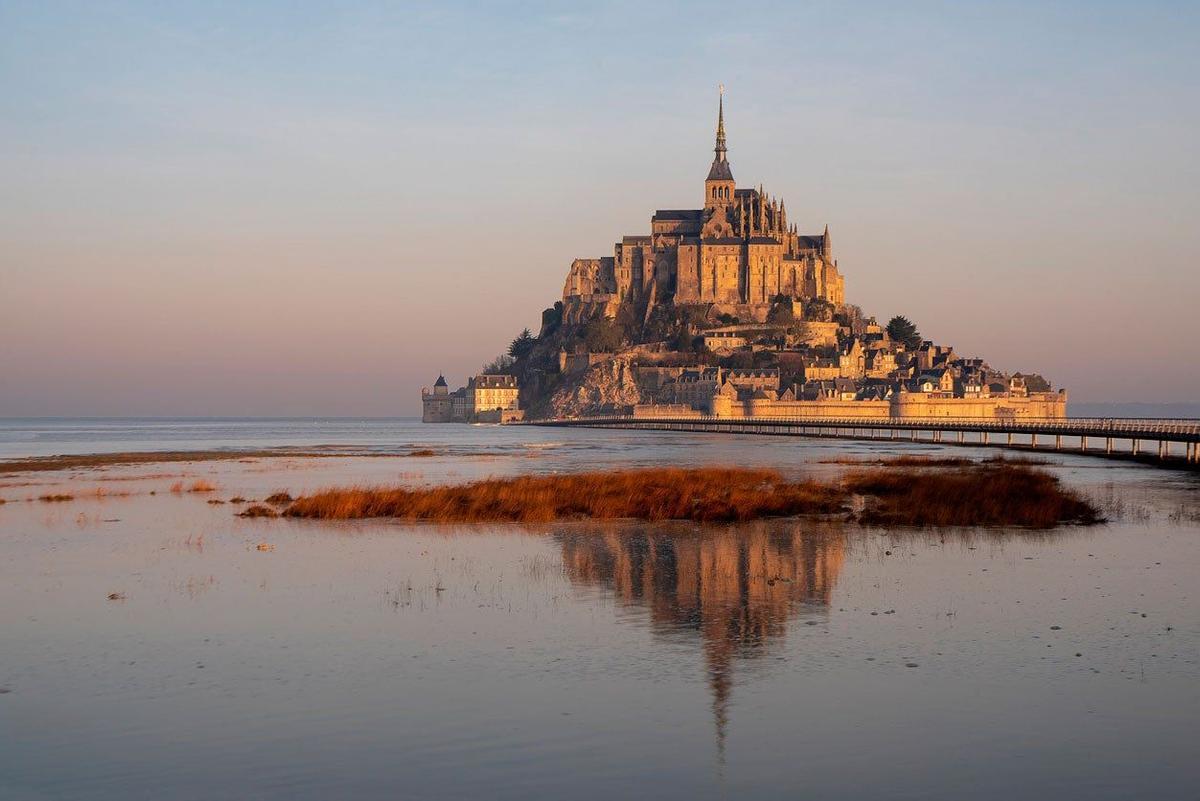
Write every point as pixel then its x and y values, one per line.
pixel 738 254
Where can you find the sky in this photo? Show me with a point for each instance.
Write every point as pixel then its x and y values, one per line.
pixel 229 208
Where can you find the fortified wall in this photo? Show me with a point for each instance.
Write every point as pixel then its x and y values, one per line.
pixel 902 406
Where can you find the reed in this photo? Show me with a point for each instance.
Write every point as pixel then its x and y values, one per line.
pixel 975 494
pixel 259 511
pixel 988 493
pixel 703 494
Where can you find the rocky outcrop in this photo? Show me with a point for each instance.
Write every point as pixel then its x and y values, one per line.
pixel 602 387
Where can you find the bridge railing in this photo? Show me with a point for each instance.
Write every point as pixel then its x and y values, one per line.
pixel 1124 427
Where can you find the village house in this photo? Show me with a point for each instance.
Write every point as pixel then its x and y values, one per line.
pixel 485 399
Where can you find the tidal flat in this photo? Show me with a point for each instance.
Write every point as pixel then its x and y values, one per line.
pixel 155 644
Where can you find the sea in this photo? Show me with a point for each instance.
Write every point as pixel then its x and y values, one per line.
pixel 153 644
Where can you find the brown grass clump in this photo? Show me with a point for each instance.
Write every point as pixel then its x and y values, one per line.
pixel 56 498
pixel 202 486
pixel 237 499
pixel 988 493
pixel 215 501
pixel 259 511
pixel 104 492
pixel 975 494
pixel 280 498
pixel 706 494
pixel 927 461
pixel 423 452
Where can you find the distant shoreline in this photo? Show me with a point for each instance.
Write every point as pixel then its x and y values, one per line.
pixel 33 464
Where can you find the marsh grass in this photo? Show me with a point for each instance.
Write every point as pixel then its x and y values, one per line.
pixel 702 494
pixel 259 511
pixel 56 498
pixel 988 493
pixel 994 492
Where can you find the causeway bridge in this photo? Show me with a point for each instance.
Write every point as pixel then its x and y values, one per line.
pixel 1168 442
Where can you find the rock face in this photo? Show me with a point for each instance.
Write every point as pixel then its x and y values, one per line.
pixel 604 385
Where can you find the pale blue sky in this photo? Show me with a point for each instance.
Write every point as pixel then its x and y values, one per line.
pixel 281 208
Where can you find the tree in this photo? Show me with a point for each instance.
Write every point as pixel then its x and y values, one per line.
pixel 1035 383
pixel 856 321
pixel 499 365
pixel 602 335
pixel 738 360
pixel 522 345
pixel 819 310
pixel 765 358
pixel 781 312
pixel 902 330
pixel 552 318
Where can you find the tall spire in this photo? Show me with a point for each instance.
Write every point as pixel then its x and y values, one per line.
pixel 720 148
pixel 720 167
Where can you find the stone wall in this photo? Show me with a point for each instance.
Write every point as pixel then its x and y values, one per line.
pixel 575 363
pixel 767 409
pixel 1037 406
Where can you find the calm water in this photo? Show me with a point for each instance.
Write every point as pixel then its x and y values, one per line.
pixel 775 660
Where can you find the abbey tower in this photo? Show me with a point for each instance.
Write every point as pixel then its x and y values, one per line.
pixel 737 254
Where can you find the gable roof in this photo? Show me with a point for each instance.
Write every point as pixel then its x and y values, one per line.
pixel 678 214
pixel 720 171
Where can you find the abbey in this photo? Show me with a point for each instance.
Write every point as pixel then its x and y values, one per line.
pixel 738 254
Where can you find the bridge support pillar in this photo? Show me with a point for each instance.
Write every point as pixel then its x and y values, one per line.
pixel 962 435
pixel 1058 442
pixel 1108 445
pixel 1033 440
pixel 1083 443
pixel 1135 447
pixel 1010 438
pixel 985 438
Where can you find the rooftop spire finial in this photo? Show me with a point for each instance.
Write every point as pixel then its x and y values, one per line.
pixel 720 148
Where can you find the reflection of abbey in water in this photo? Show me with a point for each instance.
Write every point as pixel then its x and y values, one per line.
pixel 737 588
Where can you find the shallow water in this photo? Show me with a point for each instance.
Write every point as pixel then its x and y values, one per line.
pixel 771 660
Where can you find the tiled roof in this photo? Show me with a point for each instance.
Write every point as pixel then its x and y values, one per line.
pixel 678 214
pixel 720 171
pixel 496 381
